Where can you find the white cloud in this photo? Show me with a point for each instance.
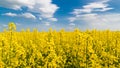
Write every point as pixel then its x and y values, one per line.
pixel 10 14
pixel 72 19
pixel 52 19
pixel 28 15
pixel 45 8
pixel 25 15
pixel 72 24
pixel 79 11
pixel 99 6
pixel 95 5
pixel 103 9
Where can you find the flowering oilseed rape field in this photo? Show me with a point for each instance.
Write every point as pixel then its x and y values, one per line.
pixel 59 49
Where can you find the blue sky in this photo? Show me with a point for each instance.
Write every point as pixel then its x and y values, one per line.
pixel 58 14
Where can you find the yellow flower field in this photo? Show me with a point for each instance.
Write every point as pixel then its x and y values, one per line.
pixel 59 49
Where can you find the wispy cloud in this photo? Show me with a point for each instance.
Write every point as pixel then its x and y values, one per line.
pixel 28 15
pixel 24 15
pixel 52 19
pixel 10 14
pixel 99 6
pixel 72 24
